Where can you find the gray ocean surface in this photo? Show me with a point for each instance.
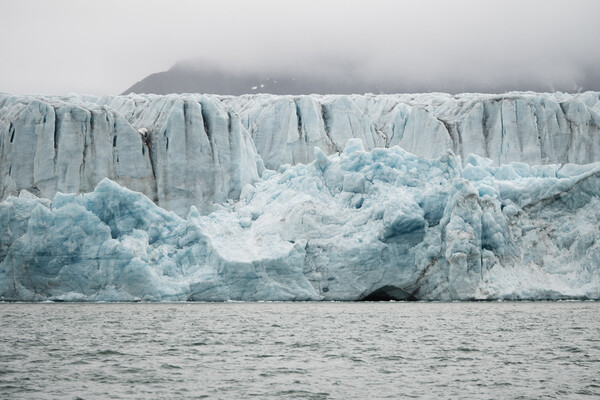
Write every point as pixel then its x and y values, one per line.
pixel 300 350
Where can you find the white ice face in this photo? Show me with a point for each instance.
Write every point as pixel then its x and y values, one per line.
pixel 179 151
pixel 343 227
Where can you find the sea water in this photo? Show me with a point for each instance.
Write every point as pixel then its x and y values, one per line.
pixel 300 350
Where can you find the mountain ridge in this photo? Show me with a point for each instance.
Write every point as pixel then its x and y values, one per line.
pixel 207 78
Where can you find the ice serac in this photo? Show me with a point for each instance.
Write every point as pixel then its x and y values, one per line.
pixel 178 150
pixel 360 225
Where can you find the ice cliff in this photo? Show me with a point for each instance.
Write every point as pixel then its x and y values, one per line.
pixel 377 225
pixel 183 150
pixel 179 151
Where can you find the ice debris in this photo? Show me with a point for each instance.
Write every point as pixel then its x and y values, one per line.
pixel 379 224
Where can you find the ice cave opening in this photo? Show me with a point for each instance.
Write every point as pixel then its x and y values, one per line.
pixel 387 293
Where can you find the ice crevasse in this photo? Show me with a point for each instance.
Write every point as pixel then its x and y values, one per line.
pixel 377 224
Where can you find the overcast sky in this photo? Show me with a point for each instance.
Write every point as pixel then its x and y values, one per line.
pixel 103 47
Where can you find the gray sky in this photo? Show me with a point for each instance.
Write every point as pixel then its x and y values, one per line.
pixel 103 47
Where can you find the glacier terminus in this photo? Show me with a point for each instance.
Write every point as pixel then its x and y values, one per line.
pixel 378 197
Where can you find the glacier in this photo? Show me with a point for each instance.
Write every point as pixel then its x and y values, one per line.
pixel 380 224
pixel 199 197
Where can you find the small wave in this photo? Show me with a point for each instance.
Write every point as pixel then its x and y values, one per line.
pixel 170 366
pixel 109 352
pixel 467 349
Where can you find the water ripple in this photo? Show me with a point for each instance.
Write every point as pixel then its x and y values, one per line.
pixel 300 350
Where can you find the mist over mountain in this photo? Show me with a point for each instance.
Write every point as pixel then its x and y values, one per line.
pixel 341 78
pixel 187 77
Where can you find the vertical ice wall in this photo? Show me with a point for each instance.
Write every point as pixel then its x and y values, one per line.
pixel 178 151
pixel 184 150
